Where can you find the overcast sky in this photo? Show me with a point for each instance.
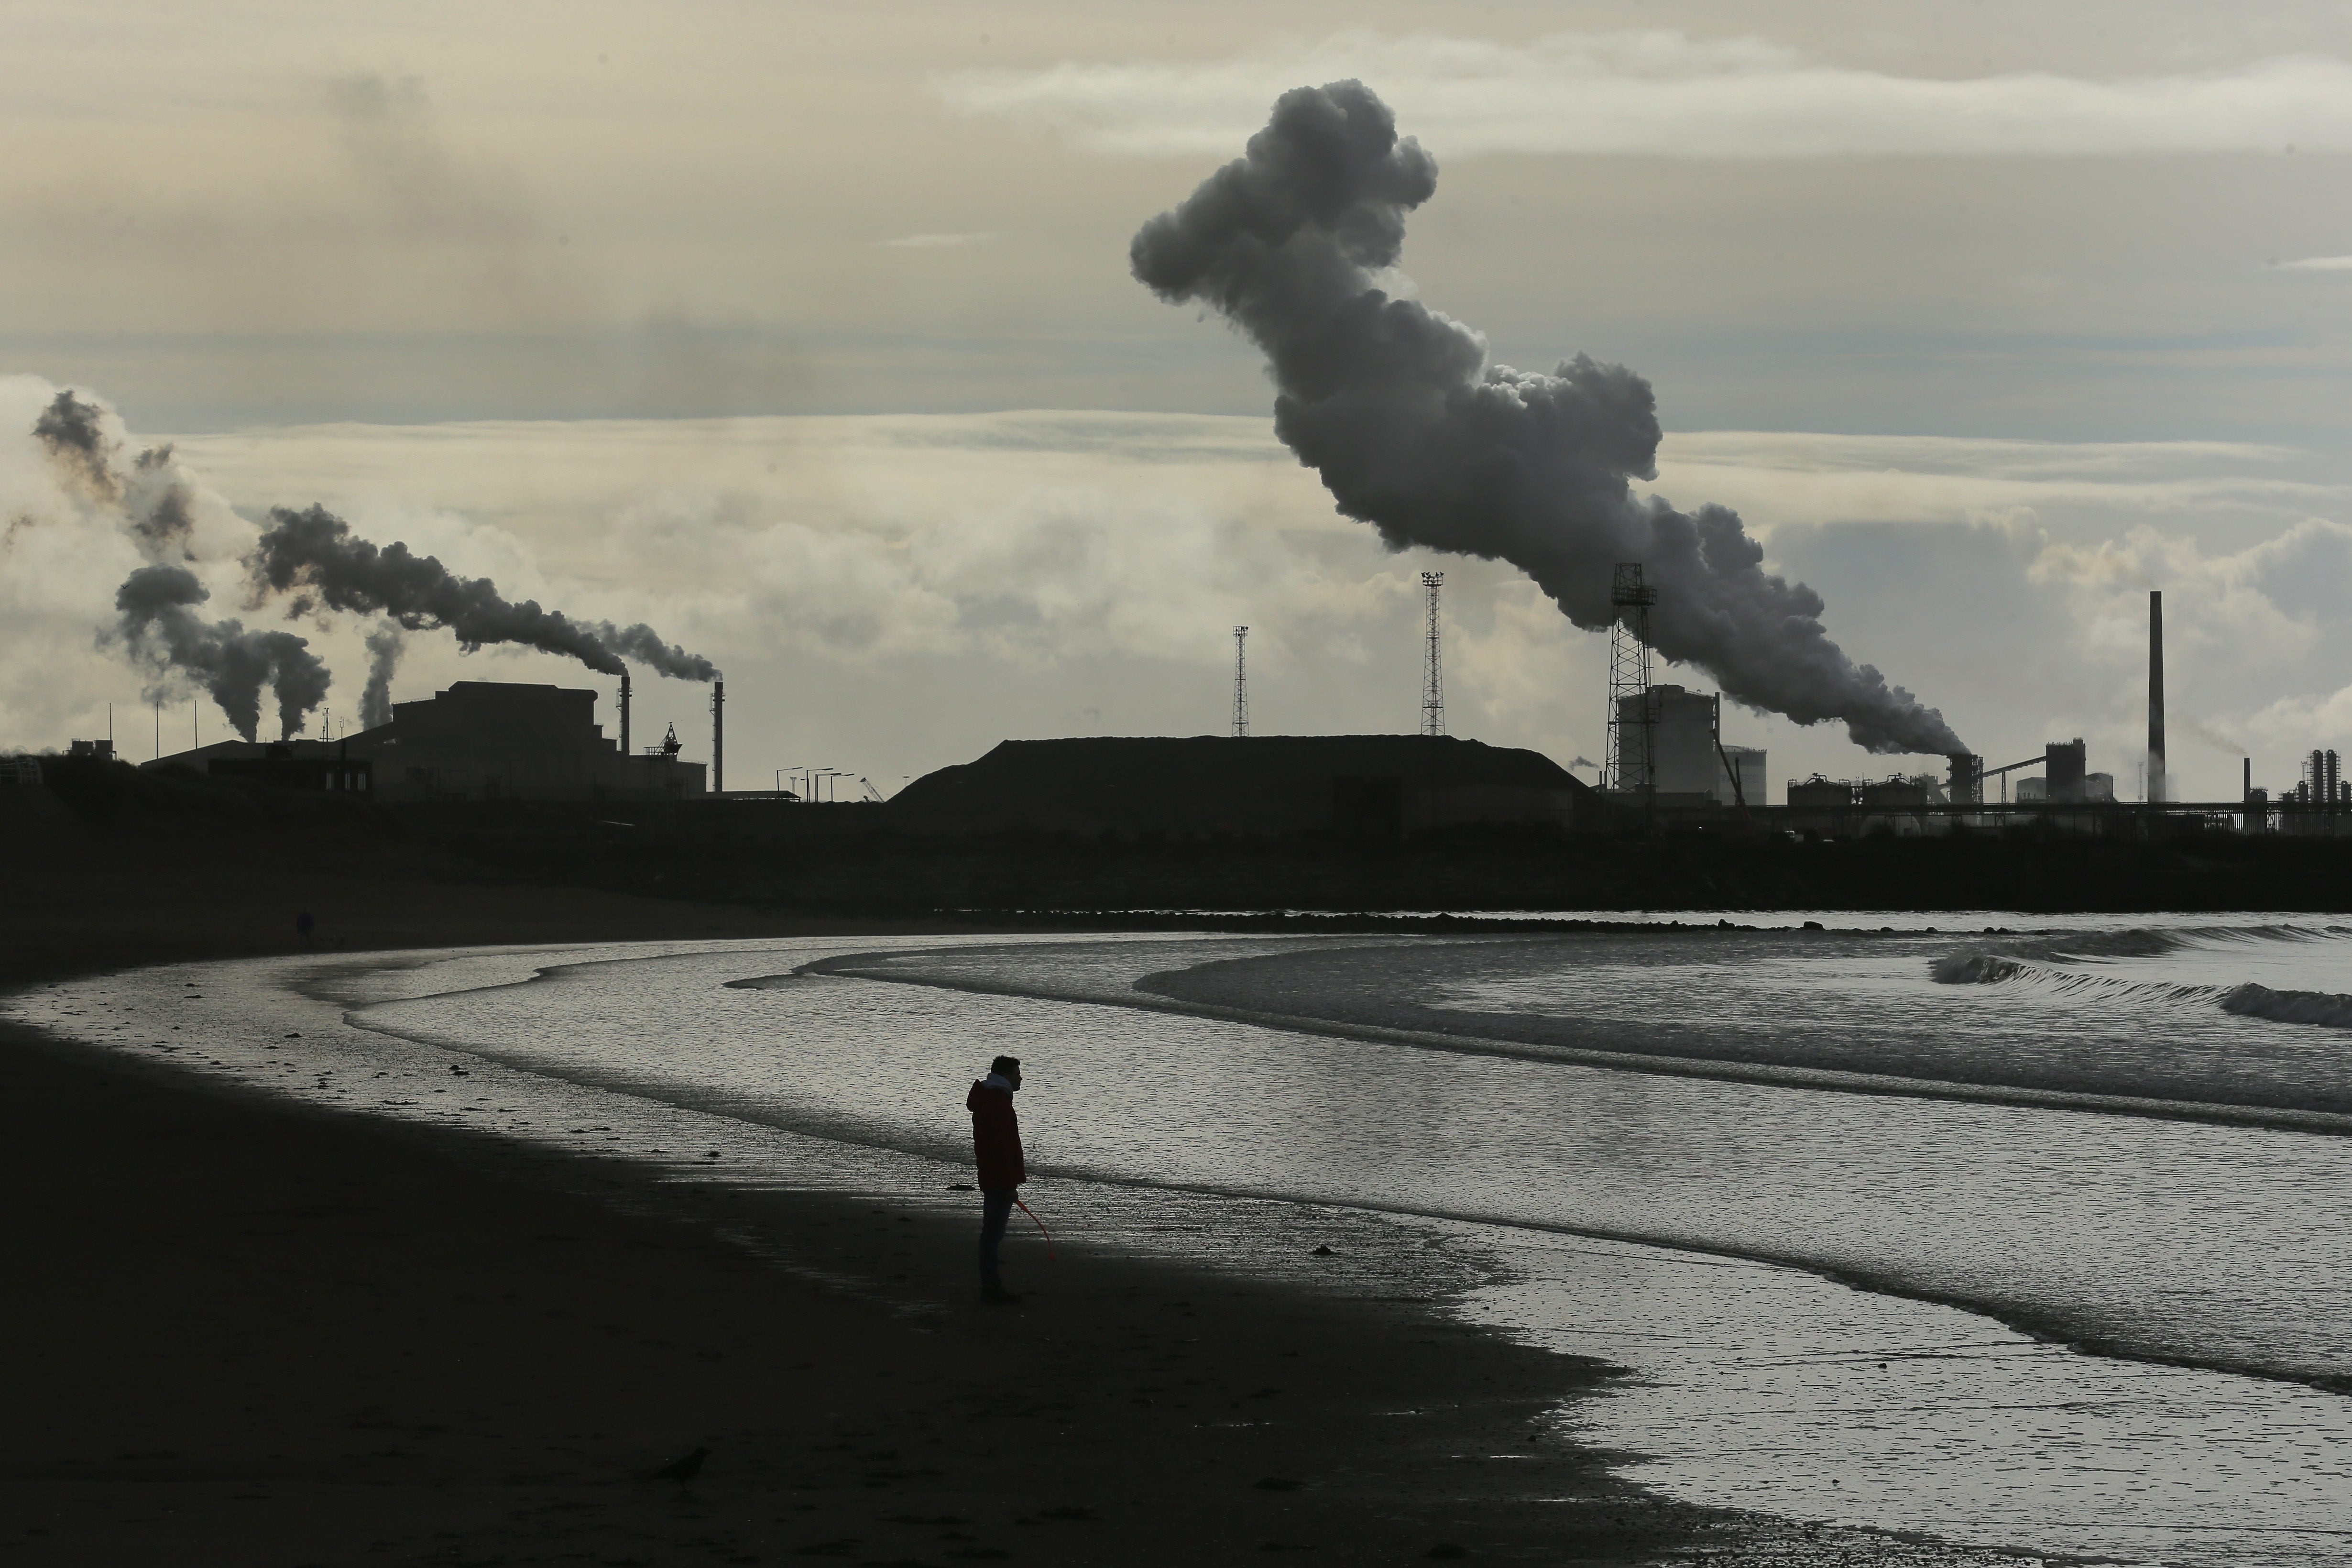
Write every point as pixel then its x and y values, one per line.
pixel 806 332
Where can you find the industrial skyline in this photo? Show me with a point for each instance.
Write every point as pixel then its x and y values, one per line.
pixel 925 468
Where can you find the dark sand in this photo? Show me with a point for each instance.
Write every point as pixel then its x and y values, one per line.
pixel 253 1333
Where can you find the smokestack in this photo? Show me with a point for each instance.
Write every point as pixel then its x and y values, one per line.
pixel 718 737
pixel 624 712
pixel 2156 790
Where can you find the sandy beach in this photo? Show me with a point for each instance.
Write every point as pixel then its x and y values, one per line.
pixel 266 1334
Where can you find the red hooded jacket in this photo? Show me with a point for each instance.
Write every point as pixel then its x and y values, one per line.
pixel 996 1137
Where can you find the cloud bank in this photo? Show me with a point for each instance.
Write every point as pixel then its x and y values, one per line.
pixel 1667 94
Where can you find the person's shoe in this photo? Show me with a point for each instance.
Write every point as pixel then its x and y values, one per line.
pixel 997 1296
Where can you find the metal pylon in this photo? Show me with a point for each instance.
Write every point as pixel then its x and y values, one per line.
pixel 1432 664
pixel 1241 680
pixel 1632 724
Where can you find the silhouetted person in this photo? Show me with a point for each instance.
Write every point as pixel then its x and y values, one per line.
pixel 303 926
pixel 996 1145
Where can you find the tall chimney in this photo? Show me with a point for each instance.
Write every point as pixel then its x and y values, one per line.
pixel 718 737
pixel 624 712
pixel 2156 790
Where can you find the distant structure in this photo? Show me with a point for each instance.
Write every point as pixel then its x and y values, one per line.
pixel 1432 667
pixel 480 740
pixel 622 705
pixel 1685 761
pixel 1632 765
pixel 327 767
pixel 2063 769
pixel 717 737
pixel 1965 782
pixel 1241 681
pixel 2156 779
pixel 2323 782
pixel 1355 786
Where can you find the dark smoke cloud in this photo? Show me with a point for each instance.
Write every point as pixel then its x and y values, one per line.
pixel 1414 433
pixel 314 555
pixel 155 498
pixel 159 503
pixel 75 433
pixel 154 502
pixel 159 623
pixel 642 643
pixel 383 645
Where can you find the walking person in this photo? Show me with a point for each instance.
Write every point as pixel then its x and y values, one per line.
pixel 996 1145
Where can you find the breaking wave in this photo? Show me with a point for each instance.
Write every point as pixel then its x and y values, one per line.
pixel 2097 964
pixel 2330 1009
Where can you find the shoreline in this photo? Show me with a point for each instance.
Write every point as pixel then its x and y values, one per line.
pixel 1051 1389
pixel 1724 1069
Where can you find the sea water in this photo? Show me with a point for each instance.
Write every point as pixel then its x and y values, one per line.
pixel 1843 1223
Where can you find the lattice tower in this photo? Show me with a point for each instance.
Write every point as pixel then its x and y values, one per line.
pixel 1433 664
pixel 1632 721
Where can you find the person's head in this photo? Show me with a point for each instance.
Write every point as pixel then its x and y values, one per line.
pixel 1008 1068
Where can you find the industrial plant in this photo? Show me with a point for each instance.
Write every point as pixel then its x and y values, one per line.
pixel 1669 769
pixel 477 740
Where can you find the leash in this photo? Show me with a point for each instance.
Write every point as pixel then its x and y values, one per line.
pixel 1040 1224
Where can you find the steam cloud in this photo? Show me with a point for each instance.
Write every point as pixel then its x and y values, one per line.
pixel 314 555
pixel 384 646
pixel 229 661
pixel 1414 432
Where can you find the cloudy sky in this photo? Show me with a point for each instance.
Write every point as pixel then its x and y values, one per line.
pixel 806 332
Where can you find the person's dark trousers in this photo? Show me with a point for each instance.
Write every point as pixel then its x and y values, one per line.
pixel 995 1208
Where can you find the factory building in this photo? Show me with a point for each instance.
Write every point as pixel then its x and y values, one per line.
pixel 480 739
pixel 1358 785
pixel 2091 787
pixel 1687 765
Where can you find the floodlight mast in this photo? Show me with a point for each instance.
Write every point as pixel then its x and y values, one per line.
pixel 1241 680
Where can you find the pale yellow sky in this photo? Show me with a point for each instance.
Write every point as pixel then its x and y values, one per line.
pixel 286 212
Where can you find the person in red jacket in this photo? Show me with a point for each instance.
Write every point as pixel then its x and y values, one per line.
pixel 996 1145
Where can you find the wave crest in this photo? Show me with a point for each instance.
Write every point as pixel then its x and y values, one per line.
pixel 2048 962
pixel 2328 1009
pixel 1986 964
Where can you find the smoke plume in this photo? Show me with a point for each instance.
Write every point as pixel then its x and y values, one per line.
pixel 155 499
pixel 161 625
pixel 383 645
pixel 1414 432
pixel 314 555
pixel 75 433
